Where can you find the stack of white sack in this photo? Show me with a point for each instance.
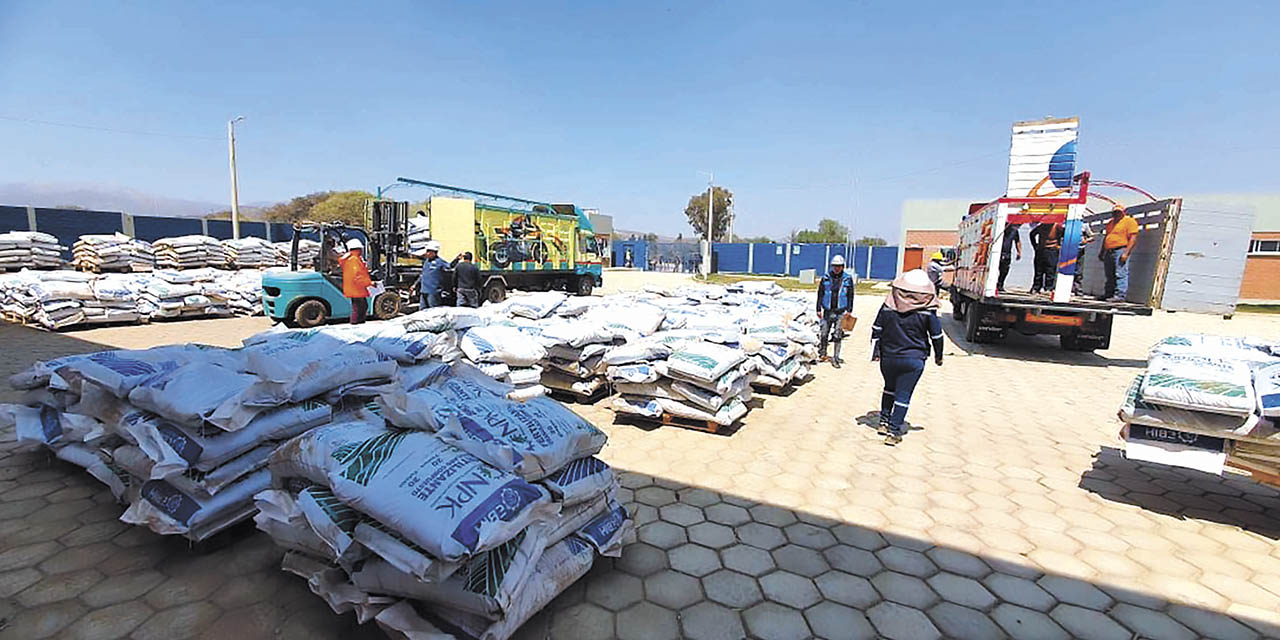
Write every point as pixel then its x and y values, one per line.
pixel 1216 386
pixel 189 252
pixel 679 374
pixel 419 234
pixel 575 356
pixel 50 299
pixel 508 352
pixel 308 251
pixel 455 506
pixel 112 252
pixel 29 250
pixel 115 299
pixel 250 253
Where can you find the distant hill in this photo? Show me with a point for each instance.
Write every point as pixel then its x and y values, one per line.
pixel 102 198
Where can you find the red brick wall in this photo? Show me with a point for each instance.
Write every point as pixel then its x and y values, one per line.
pixel 1261 277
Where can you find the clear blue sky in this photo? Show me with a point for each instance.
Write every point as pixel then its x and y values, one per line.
pixel 620 106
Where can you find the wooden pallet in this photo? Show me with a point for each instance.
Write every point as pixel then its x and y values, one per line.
pixel 573 396
pixel 773 389
pixel 668 419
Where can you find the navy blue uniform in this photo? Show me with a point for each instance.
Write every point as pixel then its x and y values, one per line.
pixel 902 342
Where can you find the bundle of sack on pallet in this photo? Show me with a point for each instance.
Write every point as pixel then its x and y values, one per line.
pixel 252 253
pixel 59 299
pixel 112 252
pixel 308 251
pixel 1205 401
pixel 189 252
pixel 29 250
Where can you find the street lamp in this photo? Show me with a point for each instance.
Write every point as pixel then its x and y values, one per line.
pixel 711 202
pixel 235 185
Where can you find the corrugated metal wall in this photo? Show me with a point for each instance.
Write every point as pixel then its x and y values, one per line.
pixel 876 263
pixel 69 224
pixel 13 219
pixel 152 228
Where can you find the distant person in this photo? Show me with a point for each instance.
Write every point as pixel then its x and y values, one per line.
pixel 1046 240
pixel 1117 245
pixel 628 259
pixel 355 280
pixel 1009 240
pixel 905 329
pixel 937 267
pixel 835 298
pixel 1086 237
pixel 467 275
pixel 434 273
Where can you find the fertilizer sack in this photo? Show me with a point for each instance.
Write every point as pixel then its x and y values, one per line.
pixel 1135 410
pixel 580 481
pixel 189 394
pixel 1199 383
pixel 507 345
pixel 167 511
pixel 293 370
pixel 280 517
pixel 192 482
pixel 704 361
pixel 1267 383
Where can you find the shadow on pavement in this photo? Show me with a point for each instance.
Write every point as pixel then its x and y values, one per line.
pixel 1184 493
pixel 1016 346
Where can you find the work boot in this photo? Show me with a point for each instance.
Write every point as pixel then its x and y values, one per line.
pixel 892 440
pixel 835 362
pixel 883 429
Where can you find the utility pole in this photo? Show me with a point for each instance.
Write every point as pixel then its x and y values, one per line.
pixel 235 184
pixel 711 202
pixel 731 215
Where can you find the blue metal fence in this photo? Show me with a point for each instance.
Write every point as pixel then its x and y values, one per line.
pixel 13 219
pixel 731 257
pixel 67 225
pixel 152 228
pixel 876 263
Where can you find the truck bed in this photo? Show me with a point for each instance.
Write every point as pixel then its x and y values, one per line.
pixel 1077 304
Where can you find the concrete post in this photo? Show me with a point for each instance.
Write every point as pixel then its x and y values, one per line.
pixel 751 257
pixel 126 225
pixel 31 218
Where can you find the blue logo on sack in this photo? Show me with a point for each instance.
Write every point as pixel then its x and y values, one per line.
pixel 50 424
pixel 122 366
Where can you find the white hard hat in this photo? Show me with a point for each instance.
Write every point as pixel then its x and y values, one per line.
pixel 354 243
pixel 432 245
pixel 837 260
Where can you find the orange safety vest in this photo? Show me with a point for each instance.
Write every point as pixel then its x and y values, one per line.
pixel 355 276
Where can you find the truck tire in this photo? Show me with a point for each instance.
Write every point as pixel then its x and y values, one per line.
pixel 973 320
pixel 386 305
pixel 495 291
pixel 585 285
pixel 310 313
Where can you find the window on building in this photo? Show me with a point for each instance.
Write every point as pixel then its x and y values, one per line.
pixel 1264 246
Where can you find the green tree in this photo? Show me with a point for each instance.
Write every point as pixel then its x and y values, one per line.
pixel 755 239
pixel 296 209
pixel 872 241
pixel 696 212
pixel 828 231
pixel 651 237
pixel 341 206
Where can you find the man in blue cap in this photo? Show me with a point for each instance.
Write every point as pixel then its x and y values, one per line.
pixel 835 298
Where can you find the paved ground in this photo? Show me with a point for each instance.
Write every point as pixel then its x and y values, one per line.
pixel 1007 511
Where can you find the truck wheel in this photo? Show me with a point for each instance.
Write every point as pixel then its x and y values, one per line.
pixel 495 291
pixel 386 305
pixel 311 313
pixel 585 285
pixel 500 257
pixel 973 321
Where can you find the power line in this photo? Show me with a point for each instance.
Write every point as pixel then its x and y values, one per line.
pixel 108 129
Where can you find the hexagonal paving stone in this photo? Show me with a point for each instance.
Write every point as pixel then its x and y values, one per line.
pixel 647 621
pixel 1019 591
pixel 11 582
pixel 853 560
pixel 801 560
pixel 897 622
pixel 698 497
pixel 962 590
pixel 693 559
pixel 60 586
pixel 681 514
pixel 749 560
pixel 614 590
pixel 808 535
pixel 907 561
pixel 861 537
pixel 771 621
pixel 1150 624
pixel 115 621
pixel 904 589
pixel 955 561
pixel 27 555
pixel 672 589
pixel 837 622
pixel 663 535
pixel 1077 592
pixel 769 514
pixel 790 589
pixel 655 496
pixel 1209 623
pixel 710 621
pixel 1021 622
pixel 641 559
pixel 43 622
pixel 586 621
pixel 841 587
pixel 1087 623
pixel 963 623
pixel 732 589
pixel 711 534
pixel 179 622
pixel 728 514
pixel 763 536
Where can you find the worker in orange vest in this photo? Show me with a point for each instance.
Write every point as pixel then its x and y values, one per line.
pixel 355 280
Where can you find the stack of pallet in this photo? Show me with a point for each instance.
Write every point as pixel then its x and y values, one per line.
pixel 112 252
pixel 1207 401
pixel 29 250
pixel 189 252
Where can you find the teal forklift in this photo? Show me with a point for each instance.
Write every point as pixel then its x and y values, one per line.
pixel 309 295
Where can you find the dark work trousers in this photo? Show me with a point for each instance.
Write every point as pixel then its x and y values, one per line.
pixel 1046 269
pixel 468 298
pixel 1006 258
pixel 359 309
pixel 429 300
pixel 900 378
pixel 829 328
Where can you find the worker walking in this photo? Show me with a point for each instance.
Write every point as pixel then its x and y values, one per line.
pixel 355 280
pixel 467 280
pixel 1009 240
pixel 835 298
pixel 434 272
pixel 905 329
pixel 1117 245
pixel 1046 239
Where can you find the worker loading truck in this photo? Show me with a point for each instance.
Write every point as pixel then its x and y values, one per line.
pixel 1092 257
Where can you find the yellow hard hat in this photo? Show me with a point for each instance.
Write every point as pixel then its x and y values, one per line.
pixel 937 255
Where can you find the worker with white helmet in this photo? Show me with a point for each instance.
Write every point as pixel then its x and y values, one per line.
pixel 906 330
pixel 355 279
pixel 434 278
pixel 835 299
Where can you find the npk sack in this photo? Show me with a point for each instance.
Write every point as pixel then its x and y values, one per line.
pixel 297 369
pixel 580 481
pixel 703 361
pixel 1199 383
pixel 190 394
pixel 167 511
pixel 504 344
pixel 1266 381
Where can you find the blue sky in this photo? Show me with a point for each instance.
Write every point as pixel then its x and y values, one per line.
pixel 619 106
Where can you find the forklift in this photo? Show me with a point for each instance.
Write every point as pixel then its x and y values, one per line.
pixel 309 295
